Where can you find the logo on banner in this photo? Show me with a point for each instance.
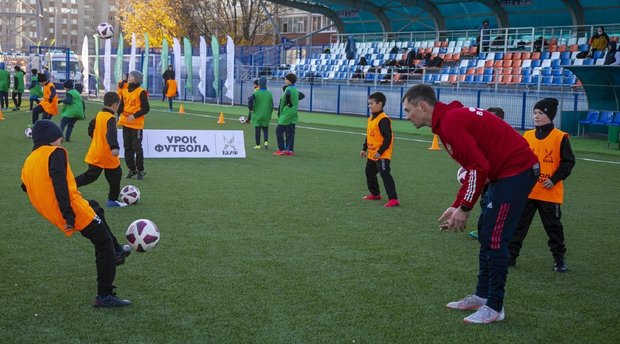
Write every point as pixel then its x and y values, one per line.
pixel 229 146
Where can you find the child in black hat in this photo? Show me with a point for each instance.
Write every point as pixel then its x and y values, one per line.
pixel 557 160
pixel 48 179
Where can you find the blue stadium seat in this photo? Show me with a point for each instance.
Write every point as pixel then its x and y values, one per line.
pixel 570 80
pixel 482 56
pixel 588 62
pixel 546 71
pixel 590 118
pixel 545 55
pixel 487 78
pixel 488 71
pixel 534 80
pixel 558 80
pixel 535 63
pixel 526 80
pixel 556 71
pixel 567 72
pixel 606 118
pixel 479 79
pixel 565 61
pixel 462 70
pixel 565 55
pixel 547 80
pixel 469 79
pixel 584 47
pixel 499 56
pixel 526 71
pixel 597 54
pixel 616 121
pixel 555 63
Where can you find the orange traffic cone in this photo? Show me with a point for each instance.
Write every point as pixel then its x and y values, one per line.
pixel 181 109
pixel 1 116
pixel 435 144
pixel 221 119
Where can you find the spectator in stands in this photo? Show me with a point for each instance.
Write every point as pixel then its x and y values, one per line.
pixel 539 43
pixel 394 50
pixel 424 63
pixel 363 61
pixel 358 74
pixel 599 41
pixel 350 49
pixel 327 51
pixel 484 38
pixel 613 54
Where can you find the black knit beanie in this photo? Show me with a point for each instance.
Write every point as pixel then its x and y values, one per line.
pixel 291 77
pixel 45 132
pixel 549 106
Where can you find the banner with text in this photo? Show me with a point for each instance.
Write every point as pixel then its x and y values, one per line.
pixel 190 143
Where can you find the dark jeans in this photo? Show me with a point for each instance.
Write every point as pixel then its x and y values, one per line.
pixel 381 166
pixel 69 123
pixel 285 134
pixel 551 215
pixel 170 103
pixel 106 246
pixel 506 198
pixel 257 131
pixel 39 110
pixel 132 142
pixel 17 99
pixel 112 175
pixel 4 99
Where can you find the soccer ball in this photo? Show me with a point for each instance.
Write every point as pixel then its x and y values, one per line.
pixel 242 119
pixel 143 235
pixel 105 30
pixel 28 133
pixel 130 194
pixel 460 175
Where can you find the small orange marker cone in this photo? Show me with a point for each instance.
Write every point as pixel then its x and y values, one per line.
pixel 182 109
pixel 1 116
pixel 435 144
pixel 221 119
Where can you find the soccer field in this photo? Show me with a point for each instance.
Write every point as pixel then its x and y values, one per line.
pixel 272 249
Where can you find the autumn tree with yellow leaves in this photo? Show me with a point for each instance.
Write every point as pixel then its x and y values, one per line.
pixel 244 20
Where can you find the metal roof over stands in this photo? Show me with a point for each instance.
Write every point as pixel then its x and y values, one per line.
pixel 377 16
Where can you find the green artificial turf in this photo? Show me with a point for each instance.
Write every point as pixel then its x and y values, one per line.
pixel 272 249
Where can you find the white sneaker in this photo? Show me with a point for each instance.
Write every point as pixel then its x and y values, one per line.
pixel 469 302
pixel 485 315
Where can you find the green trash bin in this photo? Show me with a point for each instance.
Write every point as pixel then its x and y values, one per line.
pixel 613 131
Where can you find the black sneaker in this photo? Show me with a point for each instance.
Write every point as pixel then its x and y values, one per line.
pixel 131 173
pixel 512 261
pixel 122 254
pixel 141 175
pixel 110 301
pixel 560 265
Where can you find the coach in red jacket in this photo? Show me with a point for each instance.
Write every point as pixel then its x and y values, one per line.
pixel 490 150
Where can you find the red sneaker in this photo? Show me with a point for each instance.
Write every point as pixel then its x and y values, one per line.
pixel 289 153
pixel 371 197
pixel 392 203
pixel 279 152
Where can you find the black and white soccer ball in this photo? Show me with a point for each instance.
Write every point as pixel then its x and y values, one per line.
pixel 105 30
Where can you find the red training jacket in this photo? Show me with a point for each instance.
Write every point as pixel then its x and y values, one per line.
pixel 483 144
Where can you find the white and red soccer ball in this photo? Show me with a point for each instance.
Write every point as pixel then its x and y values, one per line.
pixel 130 194
pixel 143 235
pixel 105 31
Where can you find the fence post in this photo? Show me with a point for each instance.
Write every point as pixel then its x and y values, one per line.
pixel 241 93
pixel 402 93
pixel 438 94
pixel 367 108
pixel 311 96
pixel 524 102
pixel 338 101
pixel 576 101
pixel 478 98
